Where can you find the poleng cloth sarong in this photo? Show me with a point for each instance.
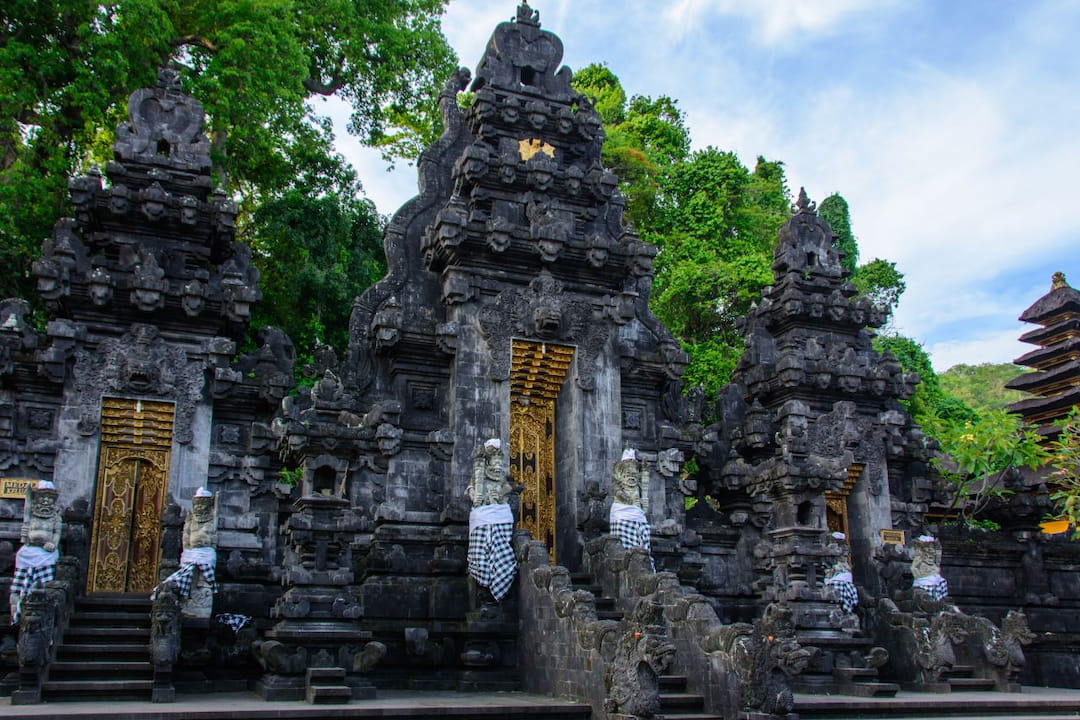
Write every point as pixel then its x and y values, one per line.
pixel 630 524
pixel 845 588
pixel 34 566
pixel 202 558
pixel 491 559
pixel 935 586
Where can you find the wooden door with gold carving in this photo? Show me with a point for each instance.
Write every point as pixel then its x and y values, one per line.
pixel 537 374
pixel 132 481
pixel 836 508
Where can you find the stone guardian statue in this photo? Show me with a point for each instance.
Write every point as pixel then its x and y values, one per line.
pixel 35 563
pixel 926 568
pixel 630 486
pixel 491 522
pixel 195 581
pixel 838 575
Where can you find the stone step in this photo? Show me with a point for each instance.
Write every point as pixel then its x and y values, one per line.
pixel 114 603
pixel 133 669
pixel 959 671
pixel 1032 704
pixel 108 690
pixel 970 683
pixel 681 700
pixel 328 694
pixel 868 689
pixel 609 615
pixel 674 683
pixel 114 619
pixel 692 716
pixel 324 674
pixel 100 631
pixel 91 649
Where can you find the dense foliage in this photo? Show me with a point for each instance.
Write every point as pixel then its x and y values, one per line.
pixel 67 67
pixel 714 220
pixel 982 387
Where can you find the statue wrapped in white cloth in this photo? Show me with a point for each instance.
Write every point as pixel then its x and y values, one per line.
pixel 630 486
pixel 838 575
pixel 195 580
pixel 491 523
pixel 926 568
pixel 35 563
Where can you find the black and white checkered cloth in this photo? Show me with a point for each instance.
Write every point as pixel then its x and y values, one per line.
pixel 233 621
pixel 633 534
pixel 25 580
pixel 935 586
pixel 845 589
pixel 185 576
pixel 491 559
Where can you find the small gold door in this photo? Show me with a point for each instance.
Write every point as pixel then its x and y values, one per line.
pixel 836 509
pixel 537 375
pixel 133 473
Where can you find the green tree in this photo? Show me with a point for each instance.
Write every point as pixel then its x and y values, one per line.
pixel 930 405
pixel 979 453
pixel 643 138
pixel 66 69
pixel 716 233
pixel 1065 469
pixel 881 283
pixel 982 386
pixel 834 210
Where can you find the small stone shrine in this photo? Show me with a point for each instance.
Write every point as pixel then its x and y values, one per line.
pixel 494 383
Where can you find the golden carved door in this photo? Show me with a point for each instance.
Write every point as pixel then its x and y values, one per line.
pixel 836 509
pixel 132 480
pixel 537 374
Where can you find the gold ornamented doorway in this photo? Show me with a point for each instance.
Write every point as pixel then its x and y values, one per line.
pixel 836 509
pixel 133 477
pixel 536 376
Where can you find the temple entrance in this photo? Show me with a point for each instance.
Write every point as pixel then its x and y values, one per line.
pixel 836 509
pixel 536 376
pixel 133 475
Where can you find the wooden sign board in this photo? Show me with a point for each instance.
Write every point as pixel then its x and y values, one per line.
pixel 892 537
pixel 16 487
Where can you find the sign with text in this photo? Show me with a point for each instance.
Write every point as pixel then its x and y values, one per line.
pixel 892 537
pixel 16 487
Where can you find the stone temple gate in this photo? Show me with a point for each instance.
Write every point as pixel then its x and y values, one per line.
pixel 515 307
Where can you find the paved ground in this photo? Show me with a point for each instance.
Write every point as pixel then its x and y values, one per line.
pixel 388 704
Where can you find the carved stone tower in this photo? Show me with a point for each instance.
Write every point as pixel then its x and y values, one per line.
pixel 811 439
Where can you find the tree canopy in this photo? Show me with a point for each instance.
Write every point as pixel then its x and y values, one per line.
pixel 67 67
pixel 713 220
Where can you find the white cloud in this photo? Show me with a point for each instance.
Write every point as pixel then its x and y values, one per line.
pixel 773 22
pixel 999 346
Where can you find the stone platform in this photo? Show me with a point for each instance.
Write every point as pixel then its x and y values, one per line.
pixel 1032 702
pixel 389 705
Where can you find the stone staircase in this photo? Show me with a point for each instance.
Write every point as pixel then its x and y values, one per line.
pixel 105 652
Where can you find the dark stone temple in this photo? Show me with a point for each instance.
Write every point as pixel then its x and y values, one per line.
pixel 802 551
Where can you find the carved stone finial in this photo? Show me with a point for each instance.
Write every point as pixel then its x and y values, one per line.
pixel 527 16
pixel 1058 281
pixel 804 204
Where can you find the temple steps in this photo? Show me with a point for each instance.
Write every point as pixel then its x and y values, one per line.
pixel 1033 703
pixel 105 652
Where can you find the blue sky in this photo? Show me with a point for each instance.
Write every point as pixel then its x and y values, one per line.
pixel 952 127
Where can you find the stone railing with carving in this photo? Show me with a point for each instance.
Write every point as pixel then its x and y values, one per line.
pixel 45 614
pixel 164 641
pixel 741 670
pixel 934 637
pixel 568 652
